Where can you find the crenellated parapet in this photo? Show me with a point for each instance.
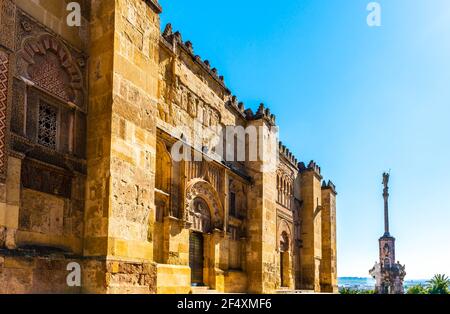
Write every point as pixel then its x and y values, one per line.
pixel 238 106
pixel 286 153
pixel 249 114
pixel 262 113
pixel 154 5
pixel 312 166
pixel 329 186
pixel 175 40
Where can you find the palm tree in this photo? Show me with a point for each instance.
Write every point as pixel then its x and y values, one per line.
pixel 439 284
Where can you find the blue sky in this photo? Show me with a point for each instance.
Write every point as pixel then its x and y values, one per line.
pixel 356 99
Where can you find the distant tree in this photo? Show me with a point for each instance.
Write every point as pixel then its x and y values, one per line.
pixel 348 291
pixel 439 285
pixel 355 291
pixel 417 289
pixel 368 292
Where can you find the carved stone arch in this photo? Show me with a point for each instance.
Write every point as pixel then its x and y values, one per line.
pixel 284 235
pixel 47 62
pixel 199 188
pixel 201 216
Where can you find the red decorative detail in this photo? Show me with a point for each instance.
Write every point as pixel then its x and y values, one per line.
pixel 47 62
pixel 3 106
pixel 49 76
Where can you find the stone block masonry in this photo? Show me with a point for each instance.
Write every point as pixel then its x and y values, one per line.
pixel 89 118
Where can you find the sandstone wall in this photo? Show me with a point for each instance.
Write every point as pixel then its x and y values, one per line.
pixel 34 274
pixel 328 273
pixel 53 14
pixel 311 251
pixel 94 195
pixel 42 191
pixel 122 135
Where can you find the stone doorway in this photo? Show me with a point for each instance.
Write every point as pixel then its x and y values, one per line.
pixel 284 261
pixel 196 258
pixel 284 269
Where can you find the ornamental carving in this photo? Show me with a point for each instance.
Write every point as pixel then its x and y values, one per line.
pixel 47 128
pixel 201 216
pixel 200 189
pixel 7 27
pixel 284 236
pixel 182 97
pixel 285 186
pixel 3 109
pixel 46 62
pixel 45 179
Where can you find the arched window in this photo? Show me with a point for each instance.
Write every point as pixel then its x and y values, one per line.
pixel 284 242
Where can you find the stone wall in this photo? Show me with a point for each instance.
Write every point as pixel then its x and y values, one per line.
pixel 34 274
pixel 173 279
pixel 53 13
pixel 311 250
pixel 328 273
pixel 263 273
pixel 42 188
pixel 235 282
pixel 122 132
pixel 104 190
pixel 48 220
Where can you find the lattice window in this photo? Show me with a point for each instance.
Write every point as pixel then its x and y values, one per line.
pixel 47 125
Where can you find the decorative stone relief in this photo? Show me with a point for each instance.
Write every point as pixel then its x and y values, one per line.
pixel 45 61
pixel 284 236
pixel 284 242
pixel 165 112
pixel 199 188
pixel 201 216
pixel 181 96
pixel 7 27
pixel 10 238
pixel 44 179
pixel 285 186
pixel 2 236
pixel 3 110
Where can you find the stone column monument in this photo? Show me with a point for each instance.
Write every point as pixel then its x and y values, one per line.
pixel 388 274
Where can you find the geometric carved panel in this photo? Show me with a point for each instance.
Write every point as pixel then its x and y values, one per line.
pixel 7 23
pixel 47 125
pixel 47 62
pixel 3 110
pixel 44 179
pixel 47 74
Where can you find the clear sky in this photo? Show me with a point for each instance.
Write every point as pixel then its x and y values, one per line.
pixel 356 99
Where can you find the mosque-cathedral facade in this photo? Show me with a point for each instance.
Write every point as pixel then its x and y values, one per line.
pixel 89 116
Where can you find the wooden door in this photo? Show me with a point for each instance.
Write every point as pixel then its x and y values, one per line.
pixel 196 258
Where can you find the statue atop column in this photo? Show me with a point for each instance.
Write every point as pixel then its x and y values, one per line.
pixel 388 273
pixel 386 202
